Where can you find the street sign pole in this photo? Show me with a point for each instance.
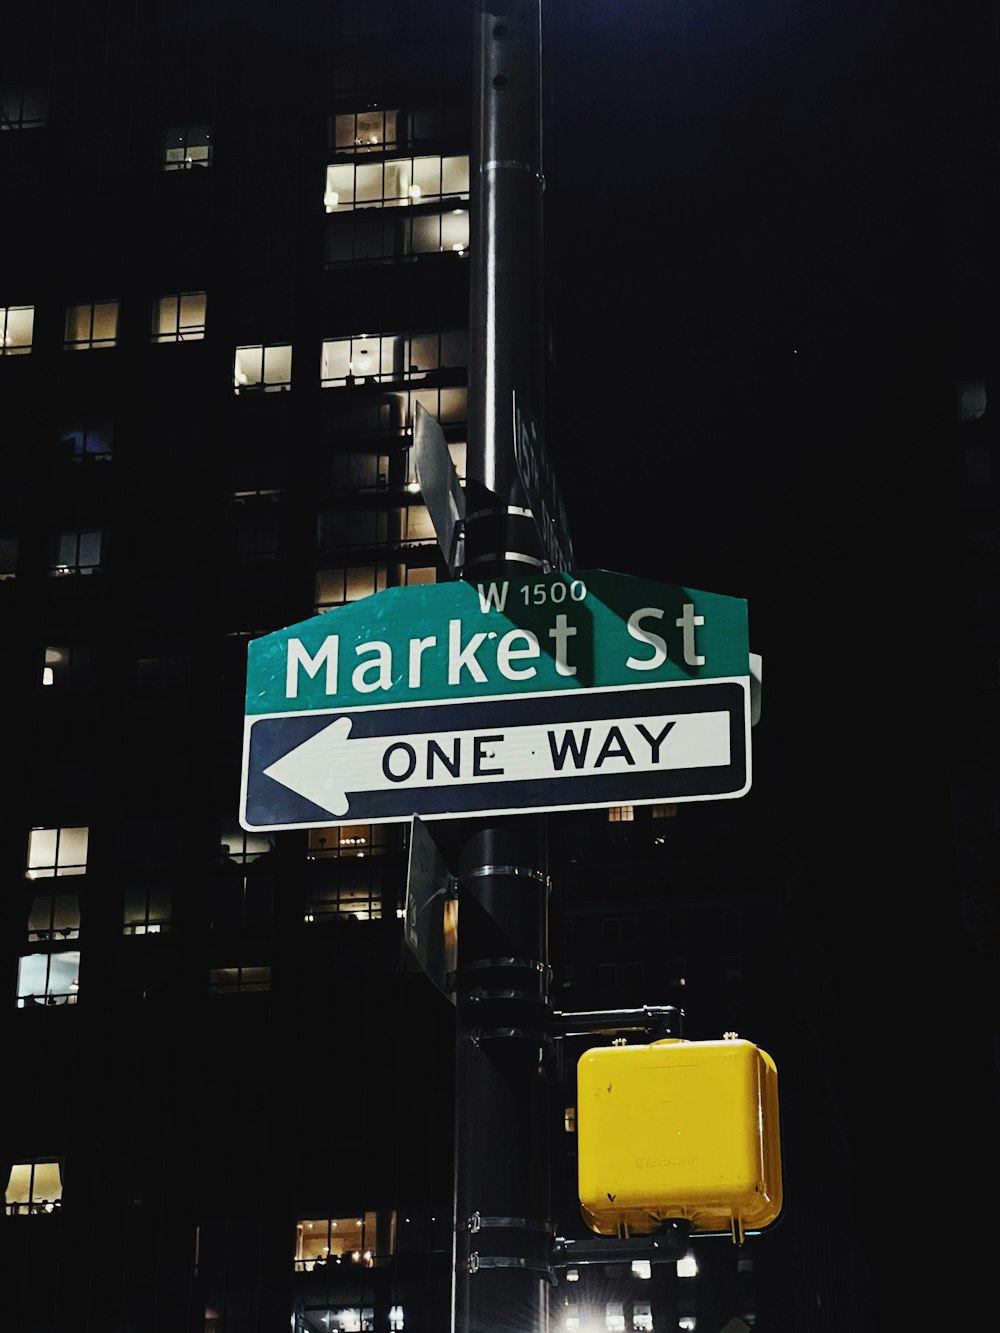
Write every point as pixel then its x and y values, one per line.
pixel 502 1205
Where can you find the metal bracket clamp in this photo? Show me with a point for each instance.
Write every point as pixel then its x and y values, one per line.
pixel 476 1262
pixel 478 872
pixel 477 1222
pixel 479 995
pixel 538 1036
pixel 525 964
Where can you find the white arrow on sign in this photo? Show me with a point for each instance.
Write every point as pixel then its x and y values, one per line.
pixel 327 767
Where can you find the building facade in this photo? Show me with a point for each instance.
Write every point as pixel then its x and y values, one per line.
pixel 237 262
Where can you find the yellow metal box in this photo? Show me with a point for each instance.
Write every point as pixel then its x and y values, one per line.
pixel 678 1129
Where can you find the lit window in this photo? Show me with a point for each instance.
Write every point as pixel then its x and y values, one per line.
pixel 335 587
pixel 687 1266
pixel 54 916
pixel 66 664
pixel 395 182
pixel 363 131
pixel 687 1322
pixel 391 411
pixel 354 840
pixel 352 1242
pixel 642 1315
pixel 642 1268
pixel 87 440
pixel 387 358
pixel 34 1186
pixel 48 978
pixel 17 324
pixel 621 814
pixel 185 146
pixel 57 851
pixel 147 911
pixel 238 980
pixel 23 108
pixel 76 553
pixel 614 1318
pixel 179 318
pixel 91 326
pixel 263 369
pixel 366 236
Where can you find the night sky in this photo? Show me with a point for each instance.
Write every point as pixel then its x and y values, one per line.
pixel 771 234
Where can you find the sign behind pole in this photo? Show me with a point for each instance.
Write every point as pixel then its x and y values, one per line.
pixel 439 483
pixel 430 925
pixel 541 489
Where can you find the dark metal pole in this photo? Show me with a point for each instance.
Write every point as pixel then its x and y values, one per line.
pixel 503 1230
pixel 505 307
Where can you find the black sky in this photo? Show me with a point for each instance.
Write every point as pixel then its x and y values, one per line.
pixel 771 234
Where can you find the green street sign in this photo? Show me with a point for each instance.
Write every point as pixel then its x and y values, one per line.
pixel 468 640
pixel 576 690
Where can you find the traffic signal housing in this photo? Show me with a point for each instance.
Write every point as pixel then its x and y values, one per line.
pixel 678 1129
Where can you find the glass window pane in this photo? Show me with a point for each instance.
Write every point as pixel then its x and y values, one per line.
pixel 47 1183
pixel 368 182
pixel 398 181
pixel 66 914
pixel 165 315
pixel 336 362
pixel 426 177
pixel 339 187
pixel 455 348
pixel 90 550
pixel 64 969
pixel 418 524
pixel 453 406
pixel 18 327
pixel 78 323
pixel 455 230
pixel 192 312
pixel 455 175
pixel 32 974
pixel 426 235
pixel 424 351
pixel 248 365
pixel 105 321
pixel 42 852
pixel 73 849
pixel 346 131
pixel 19 1185
pixel 135 907
pixel 277 365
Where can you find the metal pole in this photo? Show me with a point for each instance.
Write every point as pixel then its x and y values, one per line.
pixel 503 1230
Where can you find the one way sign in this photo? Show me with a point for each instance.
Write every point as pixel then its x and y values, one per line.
pixel 669 741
